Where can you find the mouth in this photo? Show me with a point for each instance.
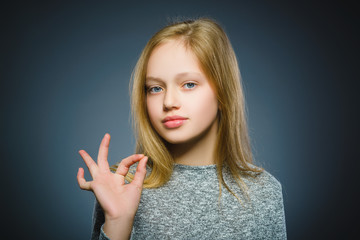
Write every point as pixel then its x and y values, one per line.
pixel 173 121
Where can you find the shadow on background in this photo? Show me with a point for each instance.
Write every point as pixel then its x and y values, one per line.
pixel 65 69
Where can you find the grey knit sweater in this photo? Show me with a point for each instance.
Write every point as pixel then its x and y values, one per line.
pixel 188 207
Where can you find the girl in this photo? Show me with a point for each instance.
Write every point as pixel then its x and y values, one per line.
pixel 194 177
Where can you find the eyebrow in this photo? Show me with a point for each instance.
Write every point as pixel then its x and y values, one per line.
pixel 177 76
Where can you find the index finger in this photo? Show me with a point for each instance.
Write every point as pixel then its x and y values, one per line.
pixel 127 162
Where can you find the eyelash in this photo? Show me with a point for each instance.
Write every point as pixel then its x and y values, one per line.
pixel 150 89
pixel 191 83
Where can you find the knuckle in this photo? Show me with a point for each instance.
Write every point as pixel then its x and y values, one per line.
pixel 124 167
pixel 82 186
pixel 139 188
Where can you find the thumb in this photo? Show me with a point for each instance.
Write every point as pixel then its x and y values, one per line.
pixel 140 173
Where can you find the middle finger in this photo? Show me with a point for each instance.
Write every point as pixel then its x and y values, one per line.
pixel 103 153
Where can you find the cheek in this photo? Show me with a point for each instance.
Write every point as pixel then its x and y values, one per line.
pixel 209 110
pixel 204 106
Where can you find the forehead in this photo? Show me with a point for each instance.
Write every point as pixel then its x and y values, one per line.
pixel 172 58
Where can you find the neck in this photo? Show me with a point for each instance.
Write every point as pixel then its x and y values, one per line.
pixel 199 151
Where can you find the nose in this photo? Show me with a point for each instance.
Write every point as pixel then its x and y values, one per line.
pixel 171 100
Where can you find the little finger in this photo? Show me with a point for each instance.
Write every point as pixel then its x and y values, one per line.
pixel 83 184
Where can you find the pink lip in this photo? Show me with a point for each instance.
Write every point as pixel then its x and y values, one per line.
pixel 173 121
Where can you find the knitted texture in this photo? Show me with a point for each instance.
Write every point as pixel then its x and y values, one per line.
pixel 188 207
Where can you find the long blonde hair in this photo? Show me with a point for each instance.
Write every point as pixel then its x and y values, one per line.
pixel 209 43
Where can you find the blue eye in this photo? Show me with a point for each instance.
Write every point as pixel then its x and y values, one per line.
pixel 155 89
pixel 189 85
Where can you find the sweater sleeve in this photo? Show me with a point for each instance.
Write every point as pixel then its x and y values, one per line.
pixel 98 223
pixel 279 216
pixel 271 209
pixel 98 219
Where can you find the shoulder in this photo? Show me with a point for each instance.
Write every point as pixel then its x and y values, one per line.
pixel 265 192
pixel 264 185
pixel 267 179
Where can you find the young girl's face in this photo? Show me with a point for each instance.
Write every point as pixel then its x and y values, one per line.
pixel 181 103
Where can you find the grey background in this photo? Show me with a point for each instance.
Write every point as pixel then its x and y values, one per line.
pixel 65 68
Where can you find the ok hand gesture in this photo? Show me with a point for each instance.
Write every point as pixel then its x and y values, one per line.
pixel 117 199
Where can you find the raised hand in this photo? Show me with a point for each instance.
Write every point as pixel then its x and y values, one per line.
pixel 117 199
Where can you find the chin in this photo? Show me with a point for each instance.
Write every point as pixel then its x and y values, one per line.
pixel 175 141
pixel 178 139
